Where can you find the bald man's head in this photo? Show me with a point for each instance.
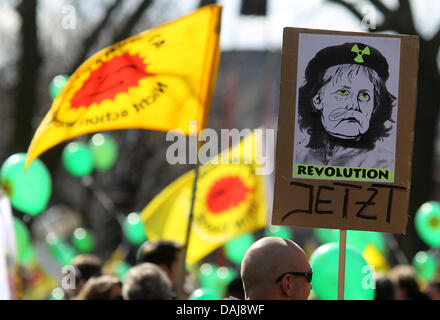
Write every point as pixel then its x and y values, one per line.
pixel 266 260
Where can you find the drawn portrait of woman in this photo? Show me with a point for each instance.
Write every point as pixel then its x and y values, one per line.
pixel 344 114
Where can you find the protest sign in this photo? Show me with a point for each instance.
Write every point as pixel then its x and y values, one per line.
pixel 345 130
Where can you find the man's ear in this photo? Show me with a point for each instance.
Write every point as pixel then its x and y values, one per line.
pixel 317 103
pixel 287 286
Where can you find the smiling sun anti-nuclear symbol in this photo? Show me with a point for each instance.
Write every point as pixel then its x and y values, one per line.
pixel 112 77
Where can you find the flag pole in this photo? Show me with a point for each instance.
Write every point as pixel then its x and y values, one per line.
pixel 213 66
pixel 341 263
pixel 188 232
pixel 180 291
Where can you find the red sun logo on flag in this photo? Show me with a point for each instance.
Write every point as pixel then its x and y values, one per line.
pixel 226 193
pixel 112 77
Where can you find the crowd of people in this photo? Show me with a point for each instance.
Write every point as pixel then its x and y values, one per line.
pixel 401 283
pixel 273 268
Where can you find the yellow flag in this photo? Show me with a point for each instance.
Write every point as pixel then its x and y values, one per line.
pixel 160 79
pixel 230 200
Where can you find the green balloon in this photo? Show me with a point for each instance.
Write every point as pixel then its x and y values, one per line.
pixel 104 150
pixel 224 276
pixel 357 239
pixel 236 248
pixel 359 276
pixel 57 294
pixel 134 229
pixel 83 240
pixel 22 239
pixel 204 294
pixel 361 239
pixel 30 190
pixel 60 249
pixel 278 231
pixel 22 235
pixel 427 223
pixel 77 159
pixel 27 256
pixel 207 276
pixel 425 265
pixel 57 83
pixel 326 235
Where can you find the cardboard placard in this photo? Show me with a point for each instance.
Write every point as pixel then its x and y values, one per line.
pixel 345 130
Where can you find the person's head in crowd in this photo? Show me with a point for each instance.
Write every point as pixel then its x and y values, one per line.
pixel 166 254
pixel 146 281
pixel 433 290
pixel 235 289
pixel 105 287
pixel 85 266
pixel 276 269
pixel 407 287
pixel 385 287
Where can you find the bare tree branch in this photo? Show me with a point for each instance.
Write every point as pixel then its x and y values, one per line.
pixel 350 7
pixel 94 35
pixel 360 16
pixel 125 31
pixel 404 19
pixel 29 65
pixel 436 40
pixel 400 20
pixel 404 6
pixel 206 2
pixel 382 8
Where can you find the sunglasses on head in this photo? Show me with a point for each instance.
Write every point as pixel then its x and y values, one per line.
pixel 307 275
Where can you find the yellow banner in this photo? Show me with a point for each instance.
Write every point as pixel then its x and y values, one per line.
pixel 159 79
pixel 230 201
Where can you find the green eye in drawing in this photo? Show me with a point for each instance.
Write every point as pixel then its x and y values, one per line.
pixel 343 92
pixel 363 96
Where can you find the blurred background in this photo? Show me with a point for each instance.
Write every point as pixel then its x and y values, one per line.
pixel 41 39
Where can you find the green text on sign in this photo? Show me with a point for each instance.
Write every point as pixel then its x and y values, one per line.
pixel 343 173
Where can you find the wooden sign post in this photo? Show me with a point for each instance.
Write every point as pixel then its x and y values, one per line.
pixel 341 263
pixel 345 132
